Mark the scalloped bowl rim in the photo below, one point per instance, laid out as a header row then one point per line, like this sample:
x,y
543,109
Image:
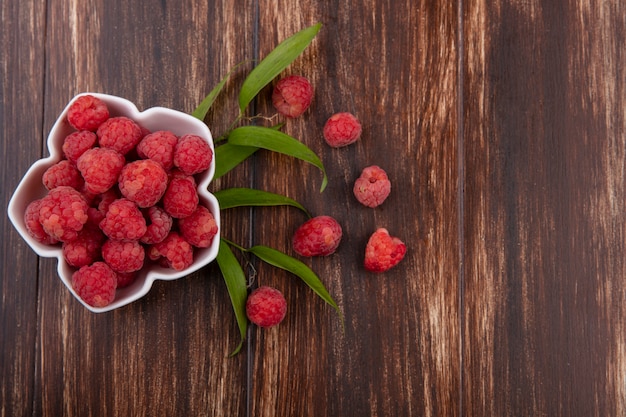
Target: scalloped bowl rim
x,y
31,187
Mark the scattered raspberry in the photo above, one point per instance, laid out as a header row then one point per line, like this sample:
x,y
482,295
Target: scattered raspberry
x,y
87,113
119,133
123,255
159,146
177,251
159,225
63,213
62,173
95,284
75,144
383,251
266,307
181,197
372,187
123,221
124,279
319,236
292,95
342,129
192,154
143,181
33,225
100,167
199,228
85,249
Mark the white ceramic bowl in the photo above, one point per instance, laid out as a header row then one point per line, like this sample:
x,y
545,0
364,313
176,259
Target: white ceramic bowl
x,y
31,188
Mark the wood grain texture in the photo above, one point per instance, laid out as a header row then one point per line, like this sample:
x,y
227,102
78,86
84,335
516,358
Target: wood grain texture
x,y
544,198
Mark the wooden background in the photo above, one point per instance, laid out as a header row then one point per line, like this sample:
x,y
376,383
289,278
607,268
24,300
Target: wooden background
x,y
502,125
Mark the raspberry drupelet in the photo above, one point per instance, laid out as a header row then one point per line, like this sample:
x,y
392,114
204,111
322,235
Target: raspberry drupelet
x,y
199,228
372,187
383,251
192,154
95,284
342,129
119,133
143,181
63,213
87,113
159,146
100,168
123,221
266,307
292,95
319,236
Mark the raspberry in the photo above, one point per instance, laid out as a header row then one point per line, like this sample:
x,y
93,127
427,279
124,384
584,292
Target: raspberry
x,y
199,228
292,95
319,236
192,154
100,167
342,129
123,255
175,250
85,249
383,251
266,307
119,133
63,213
87,113
159,146
159,225
62,173
95,284
123,221
181,197
75,144
372,187
143,181
124,279
33,225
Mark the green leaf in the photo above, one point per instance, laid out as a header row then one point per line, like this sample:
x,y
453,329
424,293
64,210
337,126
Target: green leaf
x,y
293,265
203,108
273,140
274,63
238,197
237,288
228,156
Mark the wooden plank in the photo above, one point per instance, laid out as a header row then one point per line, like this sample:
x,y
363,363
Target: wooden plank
x,y
165,354
21,89
544,198
393,64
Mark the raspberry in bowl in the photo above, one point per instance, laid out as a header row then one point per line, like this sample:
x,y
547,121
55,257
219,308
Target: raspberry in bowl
x,y
96,203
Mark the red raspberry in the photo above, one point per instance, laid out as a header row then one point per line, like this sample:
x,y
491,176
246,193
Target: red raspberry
x,y
159,146
119,133
123,221
383,251
292,95
87,113
200,228
100,167
124,279
192,154
372,187
123,255
266,307
159,225
63,213
75,144
143,181
342,129
85,249
175,250
33,225
95,284
319,236
62,173
181,197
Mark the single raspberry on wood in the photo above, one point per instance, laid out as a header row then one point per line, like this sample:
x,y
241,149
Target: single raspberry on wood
x,y
292,95
383,251
95,284
87,113
342,129
266,307
319,236
372,187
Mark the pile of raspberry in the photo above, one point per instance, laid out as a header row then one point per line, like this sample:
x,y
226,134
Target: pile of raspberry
x,y
122,199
